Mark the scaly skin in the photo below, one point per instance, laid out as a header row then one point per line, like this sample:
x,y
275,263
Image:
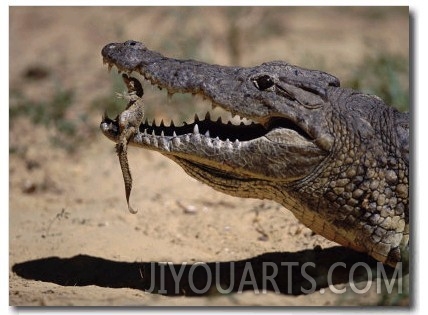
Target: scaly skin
x,y
337,158
129,121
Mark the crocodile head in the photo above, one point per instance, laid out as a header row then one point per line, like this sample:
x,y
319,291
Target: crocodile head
x,y
336,158
286,140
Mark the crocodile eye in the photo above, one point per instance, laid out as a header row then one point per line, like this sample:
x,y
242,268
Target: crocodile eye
x,y
263,83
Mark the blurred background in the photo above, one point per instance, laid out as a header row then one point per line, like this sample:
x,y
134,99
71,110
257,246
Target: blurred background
x,y
55,53
66,193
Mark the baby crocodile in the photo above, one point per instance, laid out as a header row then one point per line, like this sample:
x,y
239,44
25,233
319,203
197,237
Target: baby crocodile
x,y
128,122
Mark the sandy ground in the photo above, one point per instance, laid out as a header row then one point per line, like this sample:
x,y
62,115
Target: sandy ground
x,y
72,240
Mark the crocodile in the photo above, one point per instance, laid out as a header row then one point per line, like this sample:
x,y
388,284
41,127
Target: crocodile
x,y
337,158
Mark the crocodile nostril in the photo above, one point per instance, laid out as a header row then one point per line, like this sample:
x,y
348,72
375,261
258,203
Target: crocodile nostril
x,y
131,42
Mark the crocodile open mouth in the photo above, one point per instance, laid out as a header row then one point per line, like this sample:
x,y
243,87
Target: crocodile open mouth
x,y
223,129
218,129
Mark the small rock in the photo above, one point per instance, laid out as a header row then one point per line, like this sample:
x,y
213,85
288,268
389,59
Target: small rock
x,y
29,187
187,209
263,238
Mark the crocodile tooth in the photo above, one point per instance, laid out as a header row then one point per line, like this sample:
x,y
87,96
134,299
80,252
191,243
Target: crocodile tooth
x,y
196,129
162,133
153,133
207,141
237,143
176,141
248,121
174,134
187,138
196,118
164,144
207,134
161,124
219,120
146,122
145,132
208,116
153,123
154,142
196,138
172,124
216,142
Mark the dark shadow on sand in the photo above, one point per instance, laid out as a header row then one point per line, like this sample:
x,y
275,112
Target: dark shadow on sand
x,y
292,273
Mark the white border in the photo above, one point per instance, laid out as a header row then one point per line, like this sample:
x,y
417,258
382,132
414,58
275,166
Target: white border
x,y
4,164
215,3
420,107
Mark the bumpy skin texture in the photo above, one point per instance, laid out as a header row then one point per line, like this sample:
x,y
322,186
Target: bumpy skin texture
x,y
337,158
129,122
